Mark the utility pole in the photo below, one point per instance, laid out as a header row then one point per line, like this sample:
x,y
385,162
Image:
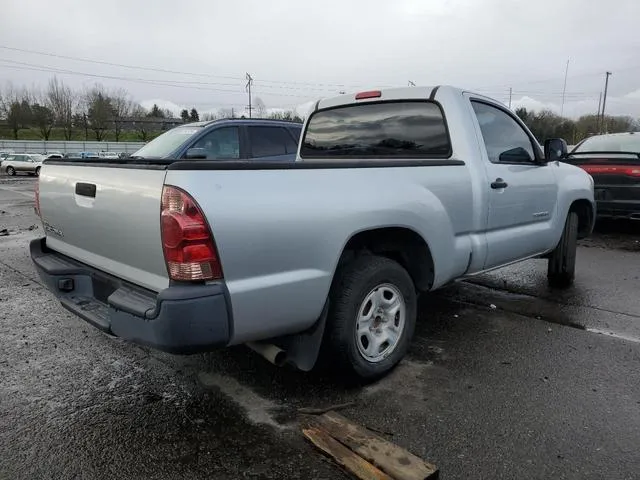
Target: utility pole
x,y
411,84
564,89
233,113
510,94
248,87
604,101
598,115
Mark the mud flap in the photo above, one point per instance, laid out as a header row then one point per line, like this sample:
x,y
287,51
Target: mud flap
x,y
303,348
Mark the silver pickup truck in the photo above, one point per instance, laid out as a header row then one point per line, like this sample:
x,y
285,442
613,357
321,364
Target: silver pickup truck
x,y
392,193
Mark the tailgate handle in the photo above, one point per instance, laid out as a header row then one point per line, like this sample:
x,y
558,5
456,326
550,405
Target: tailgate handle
x,y
86,189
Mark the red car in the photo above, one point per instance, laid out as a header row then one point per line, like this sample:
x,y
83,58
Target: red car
x,y
613,160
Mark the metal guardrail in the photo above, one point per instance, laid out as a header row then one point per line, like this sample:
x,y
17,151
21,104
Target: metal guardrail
x,y
41,146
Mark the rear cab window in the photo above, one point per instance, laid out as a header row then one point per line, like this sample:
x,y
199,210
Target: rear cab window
x,y
388,129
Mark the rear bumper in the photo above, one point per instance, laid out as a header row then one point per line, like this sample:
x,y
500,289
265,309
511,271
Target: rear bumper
x,y
179,319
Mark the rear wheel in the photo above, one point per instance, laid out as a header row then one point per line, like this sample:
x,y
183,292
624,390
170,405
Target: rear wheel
x,y
372,317
562,262
11,171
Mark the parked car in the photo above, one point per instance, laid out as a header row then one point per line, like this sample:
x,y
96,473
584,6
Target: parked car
x,y
54,155
393,193
5,154
613,161
22,163
229,139
108,155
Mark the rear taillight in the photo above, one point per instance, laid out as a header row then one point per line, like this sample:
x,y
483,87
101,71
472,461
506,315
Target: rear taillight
x,y
189,250
631,171
37,192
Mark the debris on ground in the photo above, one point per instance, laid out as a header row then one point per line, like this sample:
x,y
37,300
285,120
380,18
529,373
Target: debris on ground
x,y
363,453
320,411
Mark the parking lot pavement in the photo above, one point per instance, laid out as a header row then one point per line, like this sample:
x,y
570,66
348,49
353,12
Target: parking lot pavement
x,y
484,393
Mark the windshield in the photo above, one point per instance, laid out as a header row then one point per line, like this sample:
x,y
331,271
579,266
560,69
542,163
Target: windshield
x,y
167,143
610,143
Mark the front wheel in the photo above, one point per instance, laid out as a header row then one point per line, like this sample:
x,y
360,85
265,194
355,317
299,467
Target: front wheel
x,y
562,262
372,317
37,172
11,171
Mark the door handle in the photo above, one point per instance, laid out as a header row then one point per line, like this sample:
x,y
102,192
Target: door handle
x,y
86,189
499,183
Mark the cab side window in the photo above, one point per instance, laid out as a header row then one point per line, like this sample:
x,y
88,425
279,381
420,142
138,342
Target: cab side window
x,y
270,142
504,138
220,144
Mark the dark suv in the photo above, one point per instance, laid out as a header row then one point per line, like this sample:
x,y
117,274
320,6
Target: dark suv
x,y
229,139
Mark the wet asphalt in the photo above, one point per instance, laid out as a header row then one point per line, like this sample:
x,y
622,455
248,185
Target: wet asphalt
x,y
506,379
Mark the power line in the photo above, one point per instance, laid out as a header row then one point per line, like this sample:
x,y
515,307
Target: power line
x,y
159,82
161,70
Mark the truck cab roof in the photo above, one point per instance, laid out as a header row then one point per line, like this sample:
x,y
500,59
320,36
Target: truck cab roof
x,y
241,121
402,93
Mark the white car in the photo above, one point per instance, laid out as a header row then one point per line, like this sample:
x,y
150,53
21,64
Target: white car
x,y
109,155
22,163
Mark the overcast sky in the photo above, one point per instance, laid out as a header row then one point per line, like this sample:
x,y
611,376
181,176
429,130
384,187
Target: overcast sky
x,y
300,50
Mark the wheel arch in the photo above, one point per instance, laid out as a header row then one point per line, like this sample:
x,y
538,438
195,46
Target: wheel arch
x,y
586,216
401,244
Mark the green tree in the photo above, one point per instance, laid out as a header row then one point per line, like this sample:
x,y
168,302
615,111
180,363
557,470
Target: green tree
x,y
99,111
193,115
156,112
44,119
184,115
19,116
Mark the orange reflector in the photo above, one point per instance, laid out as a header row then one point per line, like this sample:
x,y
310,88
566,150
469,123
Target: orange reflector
x,y
369,94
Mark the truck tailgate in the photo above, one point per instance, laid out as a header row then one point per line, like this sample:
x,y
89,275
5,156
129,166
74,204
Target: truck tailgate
x,y
106,217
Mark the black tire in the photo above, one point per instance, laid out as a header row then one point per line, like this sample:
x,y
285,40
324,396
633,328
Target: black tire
x,y
562,262
353,283
11,171
37,172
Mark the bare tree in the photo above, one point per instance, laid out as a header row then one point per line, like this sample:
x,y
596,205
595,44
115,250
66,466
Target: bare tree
x,y
260,107
142,126
209,116
121,108
63,103
227,113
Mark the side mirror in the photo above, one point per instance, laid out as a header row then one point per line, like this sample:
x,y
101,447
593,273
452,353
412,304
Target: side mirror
x,y
515,155
555,149
196,153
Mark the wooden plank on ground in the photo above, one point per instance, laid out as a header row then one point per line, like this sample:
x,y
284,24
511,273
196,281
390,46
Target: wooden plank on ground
x,y
390,458
343,456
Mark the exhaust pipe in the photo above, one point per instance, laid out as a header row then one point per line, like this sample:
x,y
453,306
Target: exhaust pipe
x,y
274,354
